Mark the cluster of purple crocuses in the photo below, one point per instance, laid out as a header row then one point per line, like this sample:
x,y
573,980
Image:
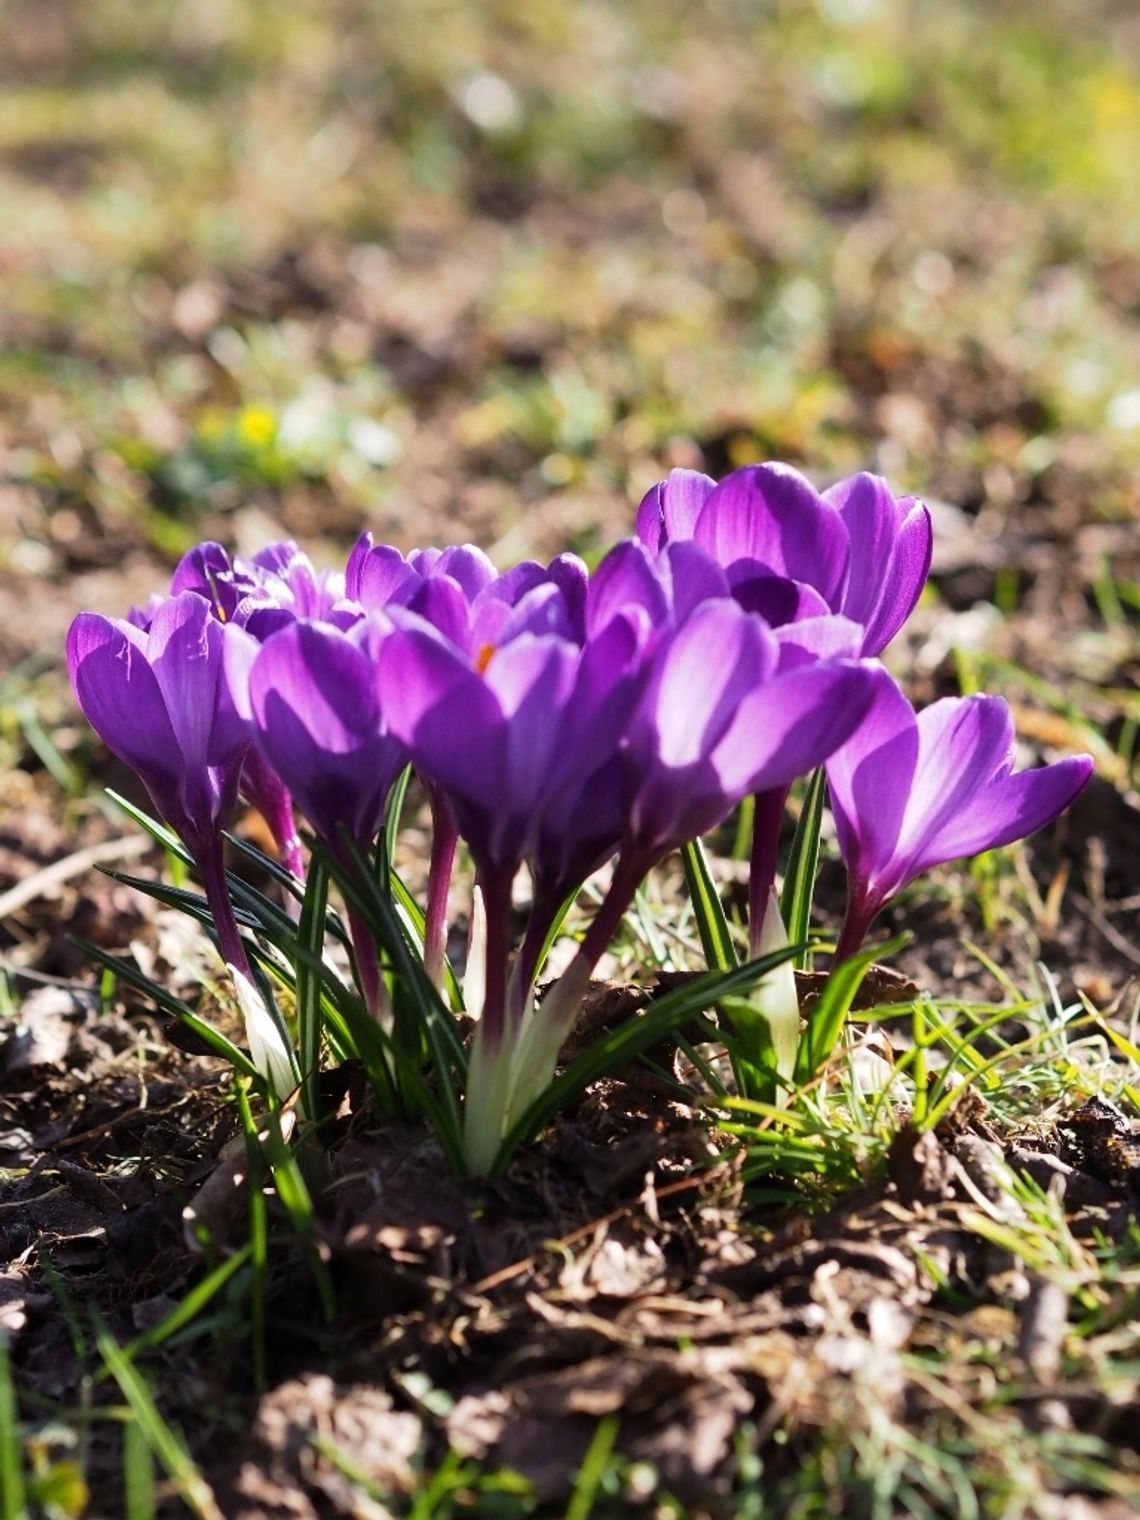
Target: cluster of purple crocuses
x,y
561,718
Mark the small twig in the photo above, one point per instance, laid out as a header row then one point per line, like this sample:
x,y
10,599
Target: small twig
x,y
119,1120
517,1268
1102,925
25,891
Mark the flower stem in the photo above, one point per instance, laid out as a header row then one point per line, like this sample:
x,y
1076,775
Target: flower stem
x,y
208,857
444,839
525,970
856,922
629,873
490,1058
264,789
766,821
368,974
497,904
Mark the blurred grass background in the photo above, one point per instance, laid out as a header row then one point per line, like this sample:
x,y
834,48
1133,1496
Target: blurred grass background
x,y
475,269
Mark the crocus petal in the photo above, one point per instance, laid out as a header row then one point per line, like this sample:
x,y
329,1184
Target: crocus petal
x,y
699,677
870,777
318,723
488,737
280,558
517,581
532,678
609,675
669,510
891,546
964,743
440,601
776,598
185,651
441,709
770,514
818,638
790,724
377,574
709,667
1011,807
239,650
579,831
569,573
206,569
625,578
466,565
691,575
541,611
122,700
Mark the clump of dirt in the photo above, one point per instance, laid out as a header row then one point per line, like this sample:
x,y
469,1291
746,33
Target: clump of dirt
x,y
505,1319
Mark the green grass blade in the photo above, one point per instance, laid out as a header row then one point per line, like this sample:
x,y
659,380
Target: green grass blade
x,y
258,1238
206,1032
189,1307
139,1499
554,931
623,1044
309,977
13,1495
803,864
826,1021
293,1191
593,1468
708,910
164,1442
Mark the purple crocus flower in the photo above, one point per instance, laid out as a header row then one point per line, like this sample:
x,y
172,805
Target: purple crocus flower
x,y
157,698
912,791
503,731
728,710
316,720
458,592
378,574
865,552
263,594
717,718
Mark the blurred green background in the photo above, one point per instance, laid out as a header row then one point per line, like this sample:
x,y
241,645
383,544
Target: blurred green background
x,y
460,269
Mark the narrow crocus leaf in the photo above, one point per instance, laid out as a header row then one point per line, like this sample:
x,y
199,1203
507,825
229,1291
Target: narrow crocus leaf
x,y
828,1019
267,1045
803,864
629,1040
311,934
708,910
774,998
